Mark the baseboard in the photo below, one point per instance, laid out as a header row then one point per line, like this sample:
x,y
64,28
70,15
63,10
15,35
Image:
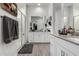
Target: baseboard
x,y
40,42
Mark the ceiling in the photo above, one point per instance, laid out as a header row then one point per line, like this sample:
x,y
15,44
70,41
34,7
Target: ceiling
x,y
68,4
21,4
36,4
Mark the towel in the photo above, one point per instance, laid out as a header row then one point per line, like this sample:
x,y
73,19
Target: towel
x,y
10,29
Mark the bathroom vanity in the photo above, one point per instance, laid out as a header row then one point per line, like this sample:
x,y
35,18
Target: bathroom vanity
x,y
64,45
39,37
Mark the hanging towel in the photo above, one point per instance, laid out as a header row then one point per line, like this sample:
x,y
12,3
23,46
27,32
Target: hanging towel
x,y
10,29
6,34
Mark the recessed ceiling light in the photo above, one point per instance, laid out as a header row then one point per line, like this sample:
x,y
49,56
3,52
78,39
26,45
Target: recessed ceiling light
x,y
38,4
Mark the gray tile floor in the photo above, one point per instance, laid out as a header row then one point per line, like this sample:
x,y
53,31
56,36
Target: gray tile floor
x,y
39,50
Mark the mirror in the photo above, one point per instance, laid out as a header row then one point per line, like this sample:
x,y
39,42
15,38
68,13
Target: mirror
x,y
63,18
36,23
76,18
40,24
76,23
68,15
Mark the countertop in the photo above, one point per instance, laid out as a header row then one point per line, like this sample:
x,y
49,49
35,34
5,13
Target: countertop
x,y
69,38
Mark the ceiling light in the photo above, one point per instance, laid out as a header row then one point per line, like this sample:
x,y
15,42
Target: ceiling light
x,y
38,4
65,17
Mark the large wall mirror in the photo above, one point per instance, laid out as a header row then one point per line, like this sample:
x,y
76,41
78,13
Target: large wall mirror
x,y
40,23
68,15
76,23
76,18
71,18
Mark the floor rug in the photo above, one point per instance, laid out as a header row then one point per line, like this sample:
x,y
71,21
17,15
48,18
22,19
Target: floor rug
x,y
26,49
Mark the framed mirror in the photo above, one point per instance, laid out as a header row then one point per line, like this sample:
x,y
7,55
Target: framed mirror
x,y
40,23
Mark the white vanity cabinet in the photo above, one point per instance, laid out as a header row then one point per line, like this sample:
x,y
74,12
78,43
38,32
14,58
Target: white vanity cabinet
x,y
39,37
53,51
63,51
61,47
30,37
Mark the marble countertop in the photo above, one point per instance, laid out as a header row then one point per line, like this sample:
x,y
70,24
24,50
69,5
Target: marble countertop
x,y
69,38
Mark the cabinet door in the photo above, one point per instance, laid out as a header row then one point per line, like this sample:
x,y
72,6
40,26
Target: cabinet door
x,y
47,37
63,51
36,37
58,48
53,46
53,50
66,53
30,37
41,37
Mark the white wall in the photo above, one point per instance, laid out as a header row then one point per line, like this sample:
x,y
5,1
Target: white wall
x,y
50,13
36,11
68,16
13,47
44,11
50,9
23,22
57,13
63,16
